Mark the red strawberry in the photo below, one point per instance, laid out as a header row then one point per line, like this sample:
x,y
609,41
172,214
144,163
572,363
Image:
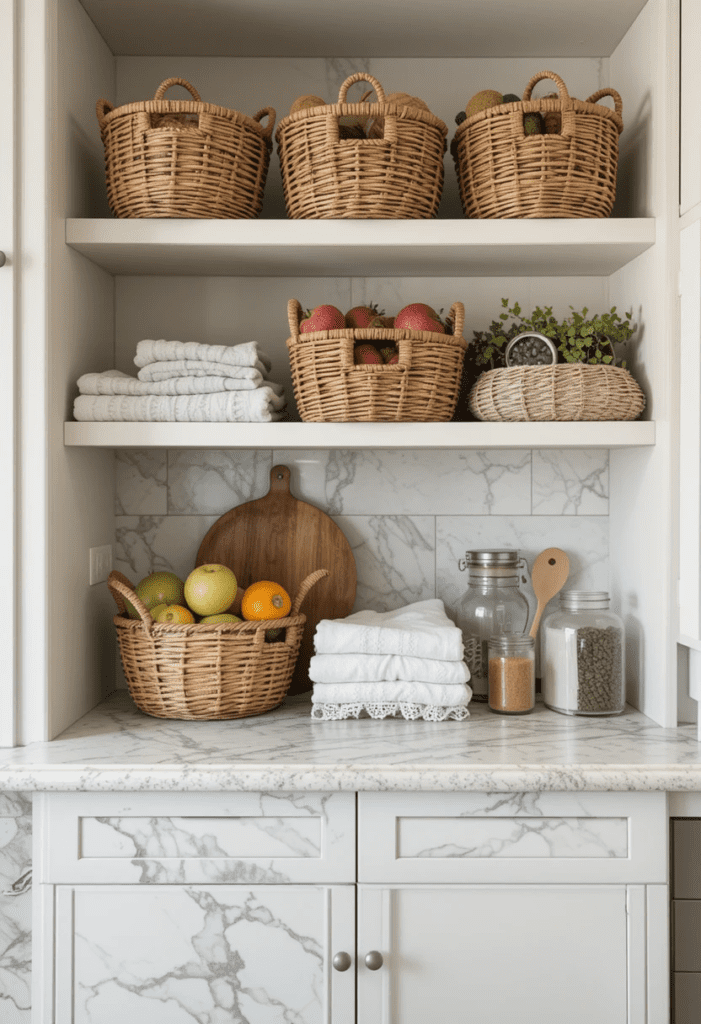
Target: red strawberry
x,y
418,317
388,352
366,355
393,359
361,316
322,318
382,321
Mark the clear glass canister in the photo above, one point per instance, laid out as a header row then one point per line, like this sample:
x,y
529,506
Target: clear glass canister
x,y
491,604
583,671
512,673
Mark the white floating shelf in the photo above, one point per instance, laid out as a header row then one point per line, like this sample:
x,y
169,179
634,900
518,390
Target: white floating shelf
x,y
377,248
361,435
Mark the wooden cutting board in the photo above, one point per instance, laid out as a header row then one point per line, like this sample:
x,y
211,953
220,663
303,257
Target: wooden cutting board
x,y
283,539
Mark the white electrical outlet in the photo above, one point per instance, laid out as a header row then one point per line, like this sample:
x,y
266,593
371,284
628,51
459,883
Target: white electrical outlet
x,y
100,563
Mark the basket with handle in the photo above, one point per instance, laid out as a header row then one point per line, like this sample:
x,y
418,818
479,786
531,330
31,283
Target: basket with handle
x,y
206,671
422,387
398,175
184,158
571,172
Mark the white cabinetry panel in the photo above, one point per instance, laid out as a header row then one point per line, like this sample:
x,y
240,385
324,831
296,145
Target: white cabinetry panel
x,y
690,135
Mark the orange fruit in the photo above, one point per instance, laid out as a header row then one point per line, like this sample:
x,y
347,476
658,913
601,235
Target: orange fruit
x,y
265,600
176,615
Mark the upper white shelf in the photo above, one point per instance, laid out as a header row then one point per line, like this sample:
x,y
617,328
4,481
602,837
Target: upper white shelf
x,y
370,248
361,435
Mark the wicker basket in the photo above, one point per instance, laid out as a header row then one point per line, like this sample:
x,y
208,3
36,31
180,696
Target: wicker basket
x,y
184,158
399,176
568,391
206,671
504,173
422,387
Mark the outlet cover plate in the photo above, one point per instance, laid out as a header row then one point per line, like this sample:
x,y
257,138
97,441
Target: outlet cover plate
x,y
100,563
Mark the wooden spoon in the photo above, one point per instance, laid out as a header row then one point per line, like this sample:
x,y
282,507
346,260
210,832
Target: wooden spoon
x,y
550,571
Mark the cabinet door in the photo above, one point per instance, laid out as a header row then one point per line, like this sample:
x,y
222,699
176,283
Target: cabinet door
x,y
496,955
690,135
184,954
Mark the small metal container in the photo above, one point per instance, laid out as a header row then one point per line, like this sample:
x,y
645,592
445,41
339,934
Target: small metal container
x,y
530,349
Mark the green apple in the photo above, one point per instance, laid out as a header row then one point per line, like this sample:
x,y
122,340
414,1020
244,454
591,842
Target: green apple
x,y
156,611
210,589
222,617
158,588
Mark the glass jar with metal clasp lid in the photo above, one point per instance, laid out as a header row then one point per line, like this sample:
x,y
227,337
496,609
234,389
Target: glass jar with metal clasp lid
x,y
493,603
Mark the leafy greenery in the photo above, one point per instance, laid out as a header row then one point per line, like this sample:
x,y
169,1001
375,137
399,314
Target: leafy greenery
x,y
579,339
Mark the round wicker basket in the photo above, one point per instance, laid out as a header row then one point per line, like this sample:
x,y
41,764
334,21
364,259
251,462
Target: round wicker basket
x,y
206,671
568,391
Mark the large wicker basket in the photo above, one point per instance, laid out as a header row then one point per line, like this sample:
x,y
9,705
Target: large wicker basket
x,y
206,671
422,387
568,391
184,158
503,172
398,176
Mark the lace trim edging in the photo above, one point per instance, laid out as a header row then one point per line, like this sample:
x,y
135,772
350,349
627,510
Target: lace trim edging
x,y
385,709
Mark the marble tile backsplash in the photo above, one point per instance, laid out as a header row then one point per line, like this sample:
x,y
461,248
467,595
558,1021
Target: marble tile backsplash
x,y
409,516
15,910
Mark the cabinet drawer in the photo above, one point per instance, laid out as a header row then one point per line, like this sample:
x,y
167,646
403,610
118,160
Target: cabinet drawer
x,y
512,837
166,838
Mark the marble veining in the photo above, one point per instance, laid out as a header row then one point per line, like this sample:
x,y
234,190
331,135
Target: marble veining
x,y
569,483
15,911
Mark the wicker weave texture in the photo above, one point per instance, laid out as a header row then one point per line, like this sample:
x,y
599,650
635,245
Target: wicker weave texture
x,y
399,176
571,391
206,671
184,158
504,173
422,387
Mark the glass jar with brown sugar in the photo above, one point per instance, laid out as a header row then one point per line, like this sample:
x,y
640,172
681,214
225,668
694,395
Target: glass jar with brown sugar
x,y
512,673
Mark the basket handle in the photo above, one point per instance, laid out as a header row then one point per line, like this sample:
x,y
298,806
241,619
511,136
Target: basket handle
x,y
294,313
565,97
103,108
457,315
165,85
305,586
361,76
120,587
268,112
617,101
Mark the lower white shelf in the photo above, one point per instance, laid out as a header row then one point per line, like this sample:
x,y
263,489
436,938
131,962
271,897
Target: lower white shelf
x,y
604,434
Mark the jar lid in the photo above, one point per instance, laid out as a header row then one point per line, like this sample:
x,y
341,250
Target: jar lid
x,y
492,557
574,600
511,643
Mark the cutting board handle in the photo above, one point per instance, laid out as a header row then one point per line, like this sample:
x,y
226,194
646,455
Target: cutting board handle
x,y
305,586
280,480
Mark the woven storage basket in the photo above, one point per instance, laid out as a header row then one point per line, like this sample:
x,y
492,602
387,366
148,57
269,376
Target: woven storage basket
x,y
184,158
568,391
398,176
206,671
504,173
422,387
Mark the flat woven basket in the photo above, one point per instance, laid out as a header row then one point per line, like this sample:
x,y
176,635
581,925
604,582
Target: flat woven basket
x,y
184,158
422,387
568,391
397,176
206,671
502,172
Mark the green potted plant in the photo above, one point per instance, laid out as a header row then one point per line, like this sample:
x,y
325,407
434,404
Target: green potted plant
x,y
588,380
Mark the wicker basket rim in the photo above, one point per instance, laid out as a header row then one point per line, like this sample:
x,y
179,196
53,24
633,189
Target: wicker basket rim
x,y
554,104
559,368
187,107
248,626
379,334
404,113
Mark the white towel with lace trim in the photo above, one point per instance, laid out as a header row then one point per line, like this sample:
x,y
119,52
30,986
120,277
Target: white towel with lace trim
x,y
245,354
375,668
403,690
114,382
419,630
386,709
261,405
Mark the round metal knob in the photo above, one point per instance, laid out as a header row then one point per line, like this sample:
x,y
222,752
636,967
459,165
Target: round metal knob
x,y
341,962
373,961
2,258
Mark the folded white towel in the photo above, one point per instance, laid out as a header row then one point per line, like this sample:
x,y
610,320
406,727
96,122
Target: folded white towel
x,y
404,690
259,406
420,630
114,382
375,668
201,368
246,354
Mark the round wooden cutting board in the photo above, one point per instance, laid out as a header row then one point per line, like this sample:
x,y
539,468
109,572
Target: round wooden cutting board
x,y
283,539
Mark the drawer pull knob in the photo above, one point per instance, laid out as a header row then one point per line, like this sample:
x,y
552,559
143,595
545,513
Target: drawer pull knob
x,y
373,961
341,962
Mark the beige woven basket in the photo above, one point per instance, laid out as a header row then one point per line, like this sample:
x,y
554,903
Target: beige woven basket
x,y
398,176
206,671
504,173
568,391
184,158
422,387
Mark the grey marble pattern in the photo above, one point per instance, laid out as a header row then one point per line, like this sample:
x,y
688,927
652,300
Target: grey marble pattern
x,y
570,483
212,482
140,485
146,544
15,911
117,748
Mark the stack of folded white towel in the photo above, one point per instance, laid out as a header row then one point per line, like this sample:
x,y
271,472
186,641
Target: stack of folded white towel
x,y
187,382
407,662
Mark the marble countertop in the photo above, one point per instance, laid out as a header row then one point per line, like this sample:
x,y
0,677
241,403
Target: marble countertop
x,y
115,747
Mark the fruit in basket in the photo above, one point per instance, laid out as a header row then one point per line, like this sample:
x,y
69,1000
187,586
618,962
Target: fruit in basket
x,y
533,124
157,588
213,620
176,615
361,316
388,351
417,316
460,117
403,99
155,612
210,589
306,102
392,359
265,600
366,355
322,318
483,100
382,321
